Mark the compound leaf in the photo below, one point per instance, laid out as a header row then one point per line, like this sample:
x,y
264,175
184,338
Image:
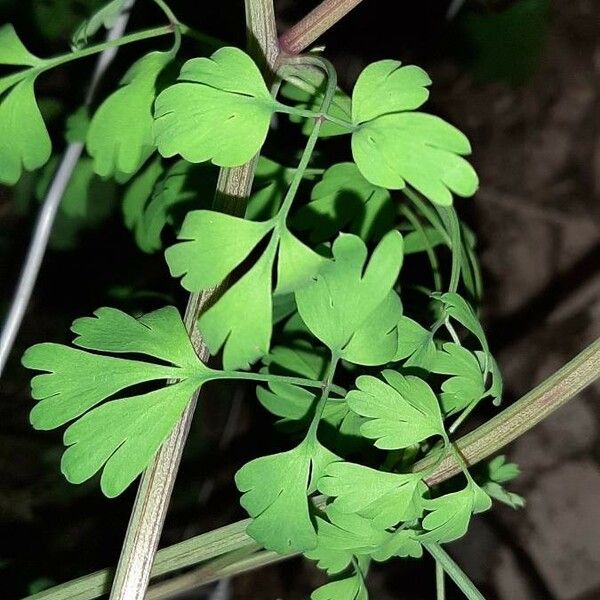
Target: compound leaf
x,y
212,245
393,146
450,514
24,143
415,148
275,492
120,136
347,295
220,110
387,87
402,411
341,537
465,385
12,49
385,498
123,434
345,198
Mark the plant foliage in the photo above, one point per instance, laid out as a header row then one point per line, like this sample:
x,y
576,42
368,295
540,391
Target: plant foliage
x,y
313,299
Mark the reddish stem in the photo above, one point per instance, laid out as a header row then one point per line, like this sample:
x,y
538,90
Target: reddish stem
x,y
301,35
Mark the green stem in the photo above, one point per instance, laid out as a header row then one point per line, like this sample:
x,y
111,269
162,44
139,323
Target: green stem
x,y
417,226
327,385
454,227
314,135
311,114
268,377
451,331
174,21
517,419
442,558
426,210
137,36
440,583
207,40
461,418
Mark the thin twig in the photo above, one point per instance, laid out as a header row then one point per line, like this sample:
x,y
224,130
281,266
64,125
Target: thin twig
x,y
49,209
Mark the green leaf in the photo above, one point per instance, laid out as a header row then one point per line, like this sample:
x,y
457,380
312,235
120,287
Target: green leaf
x,y
275,492
182,187
241,321
341,537
300,360
403,543
344,300
415,148
78,125
120,136
220,110
123,434
465,386
393,146
501,471
296,263
213,245
401,412
458,308
286,400
87,201
499,493
24,143
349,588
385,498
135,200
104,17
387,87
344,198
496,386
415,343
12,50
450,514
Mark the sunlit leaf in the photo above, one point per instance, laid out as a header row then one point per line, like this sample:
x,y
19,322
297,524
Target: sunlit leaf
x,y
122,435
450,515
24,142
212,245
347,296
275,487
385,498
401,411
394,146
120,137
220,110
12,49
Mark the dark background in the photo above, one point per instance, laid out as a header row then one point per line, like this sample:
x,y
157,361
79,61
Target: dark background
x,y
522,79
